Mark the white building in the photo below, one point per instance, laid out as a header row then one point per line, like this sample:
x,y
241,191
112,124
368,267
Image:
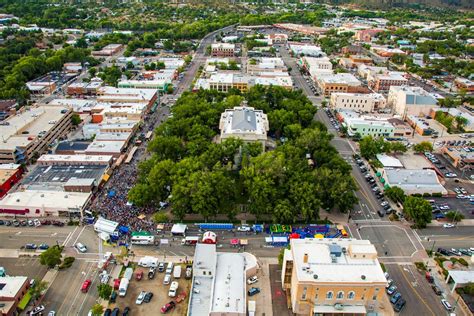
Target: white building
x,y
369,102
316,65
414,181
33,203
245,123
302,49
366,125
219,282
406,100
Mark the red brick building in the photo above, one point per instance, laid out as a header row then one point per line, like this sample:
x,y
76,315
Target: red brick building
x,y
12,290
10,174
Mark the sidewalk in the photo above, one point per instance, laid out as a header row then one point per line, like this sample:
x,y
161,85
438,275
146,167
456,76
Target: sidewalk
x,y
264,299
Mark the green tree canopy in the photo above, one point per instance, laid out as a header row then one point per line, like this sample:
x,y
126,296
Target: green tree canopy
x,y
418,210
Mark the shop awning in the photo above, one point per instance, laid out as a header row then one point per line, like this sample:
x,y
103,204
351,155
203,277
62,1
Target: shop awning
x,y
24,301
234,242
244,242
339,309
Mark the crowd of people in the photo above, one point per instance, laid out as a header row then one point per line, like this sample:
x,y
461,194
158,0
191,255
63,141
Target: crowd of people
x,y
112,202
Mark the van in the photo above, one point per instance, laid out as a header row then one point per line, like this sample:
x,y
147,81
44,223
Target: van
x,y
167,279
169,267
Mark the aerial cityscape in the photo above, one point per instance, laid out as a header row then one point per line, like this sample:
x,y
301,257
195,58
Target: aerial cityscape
x,y
194,158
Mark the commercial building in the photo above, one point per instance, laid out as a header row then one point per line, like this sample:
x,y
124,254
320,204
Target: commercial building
x,y
369,102
219,282
316,66
282,80
365,125
414,181
455,112
303,49
460,157
223,50
7,108
266,65
383,81
10,174
43,203
463,83
225,81
74,160
354,61
406,100
127,95
304,29
367,72
172,62
158,84
366,35
108,50
341,82
113,148
73,68
71,147
12,291
332,277
30,131
244,123
419,125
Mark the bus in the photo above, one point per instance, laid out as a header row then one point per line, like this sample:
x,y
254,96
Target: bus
x,y
142,238
148,135
131,154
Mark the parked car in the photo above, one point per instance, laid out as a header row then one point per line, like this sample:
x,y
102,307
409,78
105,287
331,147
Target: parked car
x,y
107,312
148,297
167,307
389,283
394,299
38,309
81,247
244,228
449,225
443,251
115,312
253,291
436,289
455,252
140,298
151,273
399,305
113,297
30,223
381,213
8,223
391,290
31,246
252,280
43,246
167,279
126,311
446,305
161,267
465,252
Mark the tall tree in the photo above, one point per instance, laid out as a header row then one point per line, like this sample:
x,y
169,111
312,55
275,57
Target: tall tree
x,y
418,210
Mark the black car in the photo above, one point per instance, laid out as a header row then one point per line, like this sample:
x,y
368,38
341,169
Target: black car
x,y
443,251
113,297
356,156
126,311
399,305
381,213
107,312
436,289
148,297
2,222
115,312
386,207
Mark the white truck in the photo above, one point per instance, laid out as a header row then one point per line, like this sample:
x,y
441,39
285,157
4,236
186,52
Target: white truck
x,y
128,274
173,289
190,241
252,306
177,272
148,262
123,286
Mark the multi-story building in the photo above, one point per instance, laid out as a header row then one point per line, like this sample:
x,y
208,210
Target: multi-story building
x,y
369,102
223,50
244,123
316,65
367,72
365,125
225,81
10,174
74,160
127,95
341,82
304,49
266,65
12,291
332,277
157,84
463,83
460,157
407,100
108,50
30,131
383,81
366,35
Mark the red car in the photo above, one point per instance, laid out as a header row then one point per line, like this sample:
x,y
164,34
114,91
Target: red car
x,y
139,275
86,285
116,284
166,308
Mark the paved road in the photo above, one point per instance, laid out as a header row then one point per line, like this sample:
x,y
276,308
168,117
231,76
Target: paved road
x,y
414,288
458,237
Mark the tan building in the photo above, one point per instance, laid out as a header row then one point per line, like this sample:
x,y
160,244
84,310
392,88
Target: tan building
x,y
225,81
29,132
406,100
383,81
223,50
341,82
12,291
357,101
332,277
460,157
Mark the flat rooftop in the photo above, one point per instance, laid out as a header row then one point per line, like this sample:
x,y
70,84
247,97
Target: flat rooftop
x,y
44,199
414,179
47,177
340,78
28,124
336,260
11,285
105,147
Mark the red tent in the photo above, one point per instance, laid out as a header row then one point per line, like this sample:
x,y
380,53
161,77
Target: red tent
x,y
295,236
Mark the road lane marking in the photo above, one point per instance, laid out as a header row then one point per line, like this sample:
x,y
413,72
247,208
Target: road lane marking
x,y
416,292
79,235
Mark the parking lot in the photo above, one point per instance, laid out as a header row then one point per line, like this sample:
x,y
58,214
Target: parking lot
x,y
160,295
25,266
458,237
441,206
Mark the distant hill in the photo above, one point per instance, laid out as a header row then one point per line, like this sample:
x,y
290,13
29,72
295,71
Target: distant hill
x,y
467,4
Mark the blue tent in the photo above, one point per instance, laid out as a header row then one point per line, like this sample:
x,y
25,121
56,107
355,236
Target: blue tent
x,y
123,229
111,193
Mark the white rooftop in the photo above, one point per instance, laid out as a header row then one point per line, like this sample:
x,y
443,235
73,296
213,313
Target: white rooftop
x,y
414,180
11,285
345,78
336,261
389,161
74,158
105,147
37,199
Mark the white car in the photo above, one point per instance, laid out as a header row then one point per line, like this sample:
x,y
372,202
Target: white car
x,y
446,305
37,310
140,298
244,228
81,247
52,313
444,207
449,225
37,222
252,280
